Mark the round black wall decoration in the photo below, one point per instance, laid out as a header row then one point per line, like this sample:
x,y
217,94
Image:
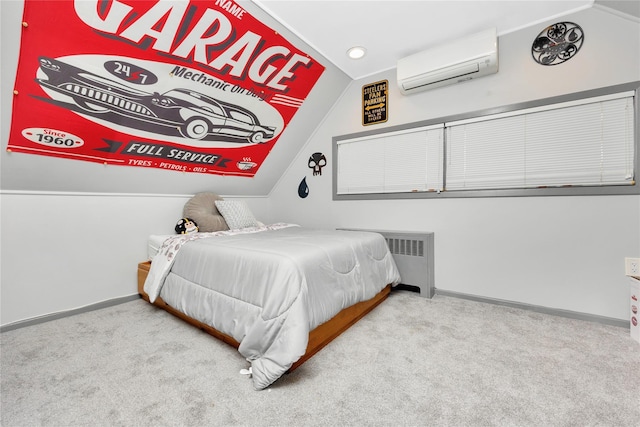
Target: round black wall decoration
x,y
557,43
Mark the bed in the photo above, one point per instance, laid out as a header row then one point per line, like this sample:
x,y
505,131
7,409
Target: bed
x,y
278,292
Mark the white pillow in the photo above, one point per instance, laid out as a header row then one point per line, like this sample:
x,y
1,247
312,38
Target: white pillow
x,y
236,214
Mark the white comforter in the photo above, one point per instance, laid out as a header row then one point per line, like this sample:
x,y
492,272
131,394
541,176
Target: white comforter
x,y
268,287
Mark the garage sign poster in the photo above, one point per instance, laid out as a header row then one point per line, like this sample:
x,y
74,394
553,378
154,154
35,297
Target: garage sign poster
x,y
194,86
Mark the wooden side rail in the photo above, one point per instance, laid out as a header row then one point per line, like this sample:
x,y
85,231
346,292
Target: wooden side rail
x,y
318,338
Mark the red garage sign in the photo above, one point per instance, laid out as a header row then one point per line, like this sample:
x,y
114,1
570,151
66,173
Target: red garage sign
x,y
195,86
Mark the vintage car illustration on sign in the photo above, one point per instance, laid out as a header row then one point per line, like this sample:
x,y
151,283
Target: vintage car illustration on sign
x,y
176,112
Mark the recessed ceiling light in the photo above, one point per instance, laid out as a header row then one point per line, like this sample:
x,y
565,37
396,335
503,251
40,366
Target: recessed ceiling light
x,y
356,52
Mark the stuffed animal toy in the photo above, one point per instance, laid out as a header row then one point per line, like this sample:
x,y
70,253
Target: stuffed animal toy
x,y
186,226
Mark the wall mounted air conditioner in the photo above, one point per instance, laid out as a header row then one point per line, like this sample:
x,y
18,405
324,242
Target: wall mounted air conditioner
x,y
454,62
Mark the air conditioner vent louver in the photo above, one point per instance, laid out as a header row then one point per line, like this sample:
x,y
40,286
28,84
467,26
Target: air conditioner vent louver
x,y
461,60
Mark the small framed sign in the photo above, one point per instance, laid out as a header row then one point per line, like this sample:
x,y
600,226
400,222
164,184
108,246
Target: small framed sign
x,y
375,102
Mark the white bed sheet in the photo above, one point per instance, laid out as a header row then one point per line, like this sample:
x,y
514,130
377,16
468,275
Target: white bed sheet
x,y
154,243
268,287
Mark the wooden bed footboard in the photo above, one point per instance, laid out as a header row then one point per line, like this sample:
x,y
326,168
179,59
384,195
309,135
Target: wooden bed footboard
x,y
318,338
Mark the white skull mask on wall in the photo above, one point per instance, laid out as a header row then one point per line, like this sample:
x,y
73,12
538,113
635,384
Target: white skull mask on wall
x,y
316,162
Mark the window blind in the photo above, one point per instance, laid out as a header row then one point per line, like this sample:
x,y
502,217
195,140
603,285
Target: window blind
x,y
590,143
403,161
586,142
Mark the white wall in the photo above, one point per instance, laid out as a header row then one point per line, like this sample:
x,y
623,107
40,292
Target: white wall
x,y
73,232
61,251
65,251
558,252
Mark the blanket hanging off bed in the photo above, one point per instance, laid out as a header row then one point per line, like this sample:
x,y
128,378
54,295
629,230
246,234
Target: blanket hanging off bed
x,y
267,287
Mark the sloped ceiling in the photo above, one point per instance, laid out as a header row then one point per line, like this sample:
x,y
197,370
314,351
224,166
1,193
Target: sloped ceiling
x,y
390,30
20,172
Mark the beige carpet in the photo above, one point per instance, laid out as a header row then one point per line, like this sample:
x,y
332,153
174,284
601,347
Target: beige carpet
x,y
412,361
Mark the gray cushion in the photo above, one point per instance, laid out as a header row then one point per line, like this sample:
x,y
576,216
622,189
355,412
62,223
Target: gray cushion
x,y
237,214
202,209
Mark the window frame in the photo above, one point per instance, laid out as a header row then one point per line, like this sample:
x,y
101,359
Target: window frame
x,y
633,189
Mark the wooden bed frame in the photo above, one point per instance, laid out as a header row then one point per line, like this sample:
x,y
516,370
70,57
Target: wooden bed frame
x,y
318,338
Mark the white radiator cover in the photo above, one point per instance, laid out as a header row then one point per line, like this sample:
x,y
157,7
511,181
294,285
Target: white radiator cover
x,y
413,255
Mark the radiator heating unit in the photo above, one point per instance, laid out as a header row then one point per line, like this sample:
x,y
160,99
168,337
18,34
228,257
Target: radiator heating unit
x,y
413,254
